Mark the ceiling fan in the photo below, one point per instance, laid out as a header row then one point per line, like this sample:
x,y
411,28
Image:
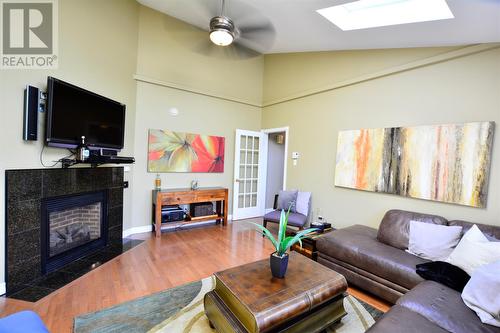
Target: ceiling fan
x,y
239,28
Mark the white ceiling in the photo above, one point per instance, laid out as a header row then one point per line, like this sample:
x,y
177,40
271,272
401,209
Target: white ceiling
x,y
299,28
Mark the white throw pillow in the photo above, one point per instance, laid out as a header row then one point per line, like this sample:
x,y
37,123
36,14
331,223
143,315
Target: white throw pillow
x,y
432,241
475,235
474,250
482,293
303,200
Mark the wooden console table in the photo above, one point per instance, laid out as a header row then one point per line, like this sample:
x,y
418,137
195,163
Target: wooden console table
x,y
184,196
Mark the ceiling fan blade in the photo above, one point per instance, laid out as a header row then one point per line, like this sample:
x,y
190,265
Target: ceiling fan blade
x,y
205,9
207,48
238,50
239,10
193,38
260,37
256,29
234,51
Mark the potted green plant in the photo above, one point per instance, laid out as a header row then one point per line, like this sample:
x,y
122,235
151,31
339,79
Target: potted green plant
x,y
279,258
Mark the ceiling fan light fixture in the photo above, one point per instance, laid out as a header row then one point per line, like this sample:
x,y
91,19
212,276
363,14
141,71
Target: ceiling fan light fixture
x,y
221,37
221,31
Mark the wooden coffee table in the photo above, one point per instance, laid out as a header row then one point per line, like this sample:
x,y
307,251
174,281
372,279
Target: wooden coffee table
x,y
248,299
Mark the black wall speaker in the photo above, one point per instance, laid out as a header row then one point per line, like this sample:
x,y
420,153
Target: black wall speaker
x,y
31,103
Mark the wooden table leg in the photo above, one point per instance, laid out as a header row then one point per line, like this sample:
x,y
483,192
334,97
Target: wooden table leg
x,y
158,216
218,210
225,209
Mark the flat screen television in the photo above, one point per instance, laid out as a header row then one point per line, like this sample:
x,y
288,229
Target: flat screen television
x,y
73,112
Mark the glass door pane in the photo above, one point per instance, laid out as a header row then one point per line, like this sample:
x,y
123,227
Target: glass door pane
x,y
249,167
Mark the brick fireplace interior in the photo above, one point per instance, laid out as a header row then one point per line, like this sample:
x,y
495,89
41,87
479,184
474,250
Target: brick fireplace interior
x,y
72,227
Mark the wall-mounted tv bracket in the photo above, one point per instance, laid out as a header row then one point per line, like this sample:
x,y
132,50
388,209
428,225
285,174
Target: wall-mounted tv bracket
x,y
42,101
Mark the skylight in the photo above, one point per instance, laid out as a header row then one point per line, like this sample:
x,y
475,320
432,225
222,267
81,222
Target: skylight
x,y
364,14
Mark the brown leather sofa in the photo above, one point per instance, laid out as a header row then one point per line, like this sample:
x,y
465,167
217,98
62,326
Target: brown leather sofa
x,y
431,307
376,261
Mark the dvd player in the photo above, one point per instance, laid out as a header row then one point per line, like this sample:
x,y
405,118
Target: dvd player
x,y
106,159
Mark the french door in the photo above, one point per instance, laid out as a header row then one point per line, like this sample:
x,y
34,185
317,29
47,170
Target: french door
x,y
249,175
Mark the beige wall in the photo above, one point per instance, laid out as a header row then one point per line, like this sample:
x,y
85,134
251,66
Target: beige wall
x,y
171,63
288,74
102,62
459,90
197,114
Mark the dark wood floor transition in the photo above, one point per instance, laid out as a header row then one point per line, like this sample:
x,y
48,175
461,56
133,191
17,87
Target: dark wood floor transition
x,y
157,264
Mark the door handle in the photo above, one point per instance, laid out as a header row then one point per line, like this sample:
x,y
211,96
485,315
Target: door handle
x,y
238,180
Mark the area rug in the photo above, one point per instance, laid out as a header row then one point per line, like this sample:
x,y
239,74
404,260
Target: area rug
x,y
180,310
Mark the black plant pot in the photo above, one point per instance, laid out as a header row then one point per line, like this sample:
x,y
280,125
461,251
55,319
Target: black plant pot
x,y
279,265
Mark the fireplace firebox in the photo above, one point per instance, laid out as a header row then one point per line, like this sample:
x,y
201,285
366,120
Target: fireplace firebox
x,y
72,227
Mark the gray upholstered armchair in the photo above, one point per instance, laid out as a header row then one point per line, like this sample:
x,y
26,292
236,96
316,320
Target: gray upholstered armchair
x,y
299,213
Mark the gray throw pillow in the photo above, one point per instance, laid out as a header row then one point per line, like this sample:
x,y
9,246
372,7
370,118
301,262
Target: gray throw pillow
x,y
287,199
303,202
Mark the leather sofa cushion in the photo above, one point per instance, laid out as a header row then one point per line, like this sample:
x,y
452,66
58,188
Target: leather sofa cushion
x,y
400,319
490,231
394,229
358,246
444,307
364,280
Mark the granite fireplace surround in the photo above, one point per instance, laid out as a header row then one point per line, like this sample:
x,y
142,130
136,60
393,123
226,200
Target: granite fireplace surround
x,y
25,191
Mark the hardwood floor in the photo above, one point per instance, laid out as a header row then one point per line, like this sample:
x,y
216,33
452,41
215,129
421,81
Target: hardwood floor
x,y
157,264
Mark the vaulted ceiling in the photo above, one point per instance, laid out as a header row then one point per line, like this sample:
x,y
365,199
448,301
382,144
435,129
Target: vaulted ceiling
x,y
298,27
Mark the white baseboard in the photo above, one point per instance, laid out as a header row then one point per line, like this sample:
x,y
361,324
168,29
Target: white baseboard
x,y
268,210
148,228
137,230
3,287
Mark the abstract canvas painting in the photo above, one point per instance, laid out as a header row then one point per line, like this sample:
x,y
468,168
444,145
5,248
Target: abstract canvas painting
x,y
448,163
184,152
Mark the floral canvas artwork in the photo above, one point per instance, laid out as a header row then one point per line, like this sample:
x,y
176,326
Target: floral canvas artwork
x,y
448,163
171,151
